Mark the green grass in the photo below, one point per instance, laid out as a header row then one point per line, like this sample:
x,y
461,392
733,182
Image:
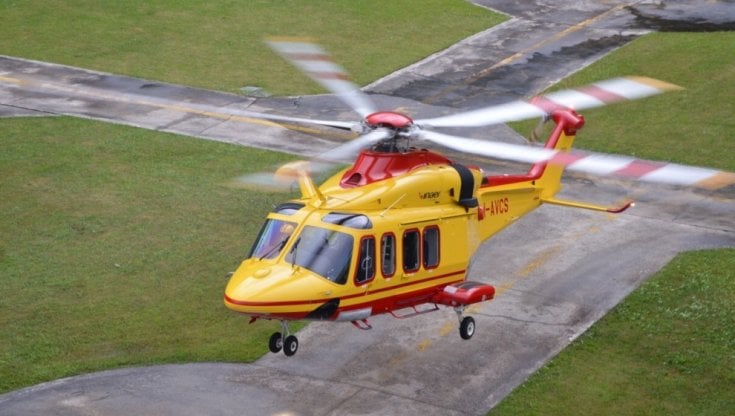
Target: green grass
x,y
116,244
669,348
218,44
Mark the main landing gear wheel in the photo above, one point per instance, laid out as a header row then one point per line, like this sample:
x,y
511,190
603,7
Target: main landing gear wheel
x,y
275,344
467,327
290,345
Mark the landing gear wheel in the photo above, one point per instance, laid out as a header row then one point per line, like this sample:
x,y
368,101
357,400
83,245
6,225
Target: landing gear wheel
x,y
290,345
467,327
275,344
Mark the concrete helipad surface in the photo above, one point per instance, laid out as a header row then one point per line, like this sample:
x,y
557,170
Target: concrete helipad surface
x,y
557,270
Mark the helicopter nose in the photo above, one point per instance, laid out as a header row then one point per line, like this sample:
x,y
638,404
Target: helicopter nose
x,y
249,288
279,292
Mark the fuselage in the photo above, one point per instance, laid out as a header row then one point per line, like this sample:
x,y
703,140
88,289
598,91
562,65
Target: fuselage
x,y
382,235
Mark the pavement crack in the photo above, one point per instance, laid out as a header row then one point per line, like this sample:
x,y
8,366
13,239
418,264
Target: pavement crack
x,y
359,388
678,221
527,321
29,109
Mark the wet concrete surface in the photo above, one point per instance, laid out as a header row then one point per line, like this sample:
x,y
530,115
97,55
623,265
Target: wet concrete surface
x,y
685,16
543,42
557,270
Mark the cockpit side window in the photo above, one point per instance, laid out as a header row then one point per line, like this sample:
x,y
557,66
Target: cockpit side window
x,y
272,238
325,252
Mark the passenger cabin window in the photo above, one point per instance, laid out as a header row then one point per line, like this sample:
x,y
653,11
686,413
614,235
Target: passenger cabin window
x,y
388,254
431,247
366,261
411,250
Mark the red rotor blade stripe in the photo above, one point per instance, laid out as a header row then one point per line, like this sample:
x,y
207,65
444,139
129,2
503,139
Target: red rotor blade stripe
x,y
330,75
315,62
591,96
638,168
601,94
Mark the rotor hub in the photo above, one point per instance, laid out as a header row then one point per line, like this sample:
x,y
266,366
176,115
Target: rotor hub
x,y
389,119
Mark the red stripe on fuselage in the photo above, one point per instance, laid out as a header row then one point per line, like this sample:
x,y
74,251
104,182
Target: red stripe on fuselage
x,y
320,301
378,306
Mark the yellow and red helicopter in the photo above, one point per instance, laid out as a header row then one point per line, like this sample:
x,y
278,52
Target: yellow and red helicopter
x,y
395,231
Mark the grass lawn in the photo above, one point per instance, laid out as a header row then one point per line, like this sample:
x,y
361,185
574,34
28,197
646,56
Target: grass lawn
x,y
669,348
218,44
116,244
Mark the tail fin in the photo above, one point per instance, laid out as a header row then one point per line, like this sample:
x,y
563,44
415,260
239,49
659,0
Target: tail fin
x,y
562,138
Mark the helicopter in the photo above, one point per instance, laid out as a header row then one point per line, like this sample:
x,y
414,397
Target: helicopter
x,y
394,232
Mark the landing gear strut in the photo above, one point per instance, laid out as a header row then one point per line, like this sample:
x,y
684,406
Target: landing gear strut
x,y
466,323
283,341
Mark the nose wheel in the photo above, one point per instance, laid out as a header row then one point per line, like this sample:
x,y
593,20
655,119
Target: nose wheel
x,y
283,341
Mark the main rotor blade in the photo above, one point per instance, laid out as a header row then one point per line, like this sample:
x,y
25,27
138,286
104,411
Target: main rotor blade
x,y
344,125
315,62
347,151
598,164
590,96
317,165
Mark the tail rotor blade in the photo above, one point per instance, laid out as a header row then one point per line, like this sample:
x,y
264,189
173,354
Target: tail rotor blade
x,y
538,130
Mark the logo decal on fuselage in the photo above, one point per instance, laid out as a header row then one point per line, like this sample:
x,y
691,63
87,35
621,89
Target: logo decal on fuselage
x,y
429,195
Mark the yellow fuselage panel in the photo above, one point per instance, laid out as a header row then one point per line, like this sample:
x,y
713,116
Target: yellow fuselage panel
x,y
424,187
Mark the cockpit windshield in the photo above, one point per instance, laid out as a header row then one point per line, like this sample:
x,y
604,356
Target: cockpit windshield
x,y
327,253
272,238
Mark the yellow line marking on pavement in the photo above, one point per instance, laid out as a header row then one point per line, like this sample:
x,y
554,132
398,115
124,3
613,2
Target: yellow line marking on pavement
x,y
423,345
11,80
516,56
446,329
179,108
